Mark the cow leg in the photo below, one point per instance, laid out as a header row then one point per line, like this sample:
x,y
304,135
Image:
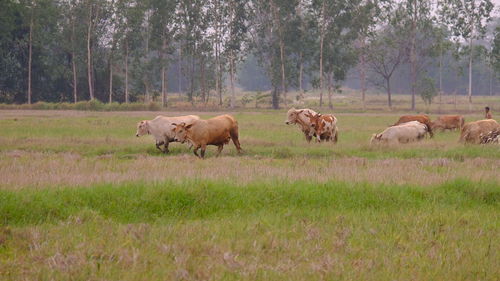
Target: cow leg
x,y
308,138
219,149
159,144
195,151
166,147
203,148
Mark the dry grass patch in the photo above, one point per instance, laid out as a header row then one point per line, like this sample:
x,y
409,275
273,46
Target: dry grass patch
x,y
37,170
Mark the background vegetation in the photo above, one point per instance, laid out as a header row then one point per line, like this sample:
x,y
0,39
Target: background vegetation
x,y
142,51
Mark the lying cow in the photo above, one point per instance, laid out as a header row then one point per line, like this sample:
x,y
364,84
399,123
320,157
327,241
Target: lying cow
x,y
324,126
473,131
403,133
162,129
215,131
448,122
422,118
298,116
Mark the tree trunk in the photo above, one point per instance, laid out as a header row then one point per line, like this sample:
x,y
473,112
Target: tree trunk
x,y
217,69
330,103
73,61
321,40
110,79
30,56
163,74
413,56
89,55
202,79
126,71
73,65
275,98
179,70
164,96
231,74
301,70
389,100
470,74
440,76
145,78
491,81
283,77
362,72
321,43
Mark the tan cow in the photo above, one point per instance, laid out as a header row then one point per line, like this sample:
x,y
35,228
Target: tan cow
x,y
473,131
403,133
448,122
324,126
215,131
162,129
422,118
298,116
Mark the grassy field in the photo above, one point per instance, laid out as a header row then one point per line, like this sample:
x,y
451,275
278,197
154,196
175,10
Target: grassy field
x,y
81,198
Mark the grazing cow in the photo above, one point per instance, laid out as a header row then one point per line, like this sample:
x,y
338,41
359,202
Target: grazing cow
x,y
162,129
422,118
298,116
324,126
448,122
403,133
215,131
473,131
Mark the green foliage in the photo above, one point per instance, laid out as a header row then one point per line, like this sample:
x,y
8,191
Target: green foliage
x,y
426,89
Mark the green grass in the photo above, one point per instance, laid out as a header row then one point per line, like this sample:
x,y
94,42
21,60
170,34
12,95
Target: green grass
x,y
216,231
262,134
132,203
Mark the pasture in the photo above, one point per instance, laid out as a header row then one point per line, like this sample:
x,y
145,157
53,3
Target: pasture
x,y
81,198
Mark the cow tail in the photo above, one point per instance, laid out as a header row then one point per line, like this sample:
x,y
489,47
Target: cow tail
x,y
235,137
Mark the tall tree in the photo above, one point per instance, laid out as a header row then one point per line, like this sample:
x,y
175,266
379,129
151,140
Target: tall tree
x,y
386,52
163,20
467,19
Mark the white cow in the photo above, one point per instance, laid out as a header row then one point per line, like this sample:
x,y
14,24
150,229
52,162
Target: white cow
x,y
403,133
298,116
162,129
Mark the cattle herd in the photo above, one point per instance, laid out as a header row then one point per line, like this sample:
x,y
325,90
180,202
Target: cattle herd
x,y
218,131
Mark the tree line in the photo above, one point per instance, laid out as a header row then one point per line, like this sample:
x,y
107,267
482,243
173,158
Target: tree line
x,y
141,50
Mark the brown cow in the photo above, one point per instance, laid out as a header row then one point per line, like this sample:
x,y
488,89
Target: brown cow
x,y
473,131
215,131
448,122
422,118
324,126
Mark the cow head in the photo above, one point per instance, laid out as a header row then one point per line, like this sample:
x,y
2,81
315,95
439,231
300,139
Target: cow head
x,y
181,131
318,124
375,138
293,116
142,128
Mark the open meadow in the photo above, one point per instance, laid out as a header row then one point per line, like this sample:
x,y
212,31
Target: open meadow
x,y
82,198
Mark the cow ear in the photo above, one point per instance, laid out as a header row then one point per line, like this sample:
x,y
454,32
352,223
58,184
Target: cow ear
x,y
174,124
300,111
189,126
319,115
